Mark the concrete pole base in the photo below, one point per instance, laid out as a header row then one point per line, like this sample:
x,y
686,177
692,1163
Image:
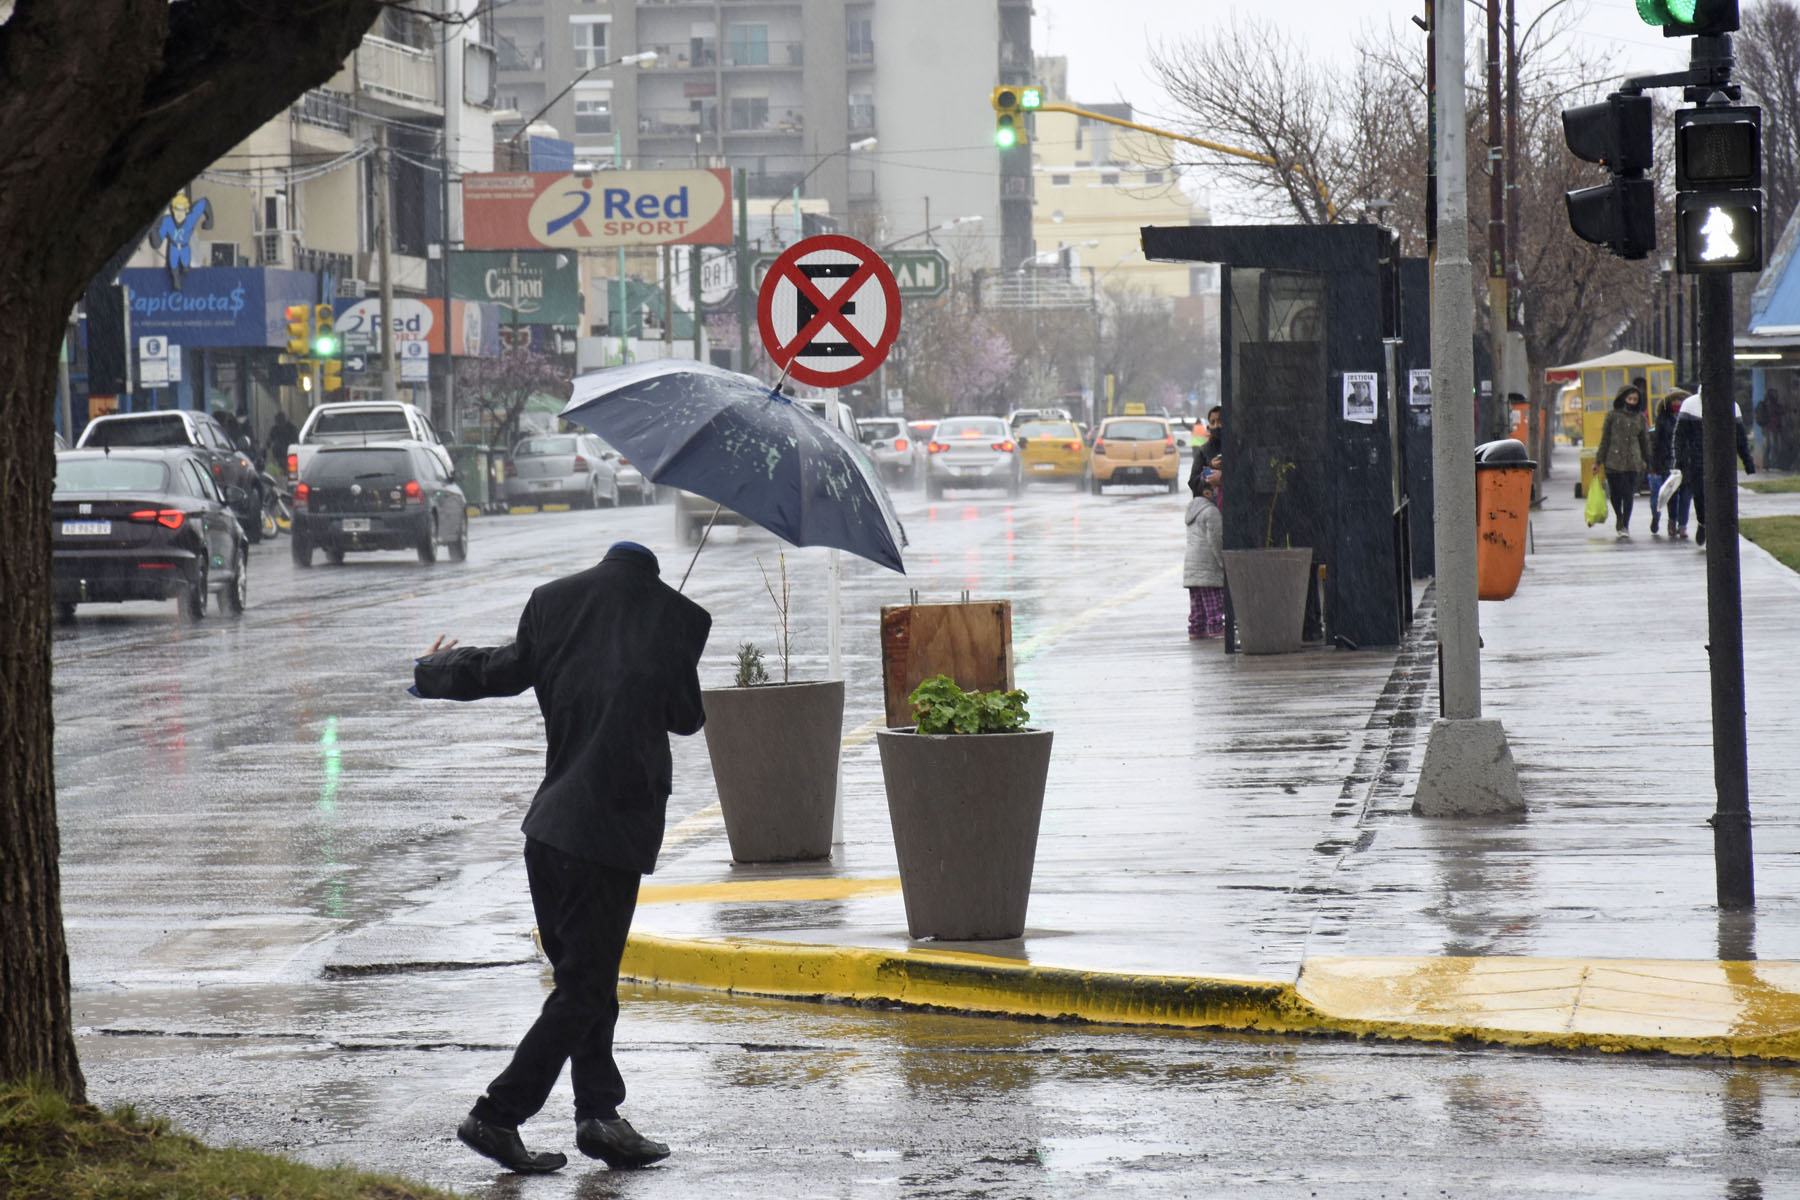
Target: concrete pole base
x,y
1468,771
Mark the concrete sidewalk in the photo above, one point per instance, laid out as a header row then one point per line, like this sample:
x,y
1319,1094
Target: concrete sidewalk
x,y
1227,841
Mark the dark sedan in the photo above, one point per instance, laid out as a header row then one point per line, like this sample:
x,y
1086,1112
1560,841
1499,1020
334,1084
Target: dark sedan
x,y
144,525
383,496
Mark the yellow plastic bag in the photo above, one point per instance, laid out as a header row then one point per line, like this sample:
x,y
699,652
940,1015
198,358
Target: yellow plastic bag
x,y
1596,499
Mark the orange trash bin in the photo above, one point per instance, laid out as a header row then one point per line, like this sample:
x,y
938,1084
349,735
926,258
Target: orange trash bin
x,y
1503,511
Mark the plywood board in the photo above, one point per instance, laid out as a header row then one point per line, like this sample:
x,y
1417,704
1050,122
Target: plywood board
x,y
971,643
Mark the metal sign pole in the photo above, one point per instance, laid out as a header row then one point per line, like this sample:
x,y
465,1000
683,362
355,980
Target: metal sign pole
x,y
835,633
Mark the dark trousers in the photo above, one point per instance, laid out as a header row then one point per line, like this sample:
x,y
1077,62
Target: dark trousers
x,y
1621,489
583,913
1692,476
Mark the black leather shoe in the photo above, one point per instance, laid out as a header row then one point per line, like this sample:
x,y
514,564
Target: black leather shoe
x,y
617,1144
504,1147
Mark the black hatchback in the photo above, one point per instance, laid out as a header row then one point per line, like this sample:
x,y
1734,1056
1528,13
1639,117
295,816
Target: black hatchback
x,y
144,525
383,496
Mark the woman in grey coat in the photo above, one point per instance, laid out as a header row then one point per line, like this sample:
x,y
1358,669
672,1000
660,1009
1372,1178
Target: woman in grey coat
x,y
1624,453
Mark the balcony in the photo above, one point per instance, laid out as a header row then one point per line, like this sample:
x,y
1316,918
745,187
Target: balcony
x,y
518,56
700,54
389,71
677,122
324,108
776,56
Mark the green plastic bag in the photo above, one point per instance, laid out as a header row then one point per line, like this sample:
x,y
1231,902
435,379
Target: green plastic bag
x,y
1596,499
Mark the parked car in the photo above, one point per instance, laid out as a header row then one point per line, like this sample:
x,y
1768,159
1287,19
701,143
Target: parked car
x,y
1134,450
563,468
359,423
383,496
972,452
144,524
632,483
892,447
228,466
1052,450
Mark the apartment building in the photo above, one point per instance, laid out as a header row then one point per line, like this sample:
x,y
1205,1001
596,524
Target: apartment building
x,y
878,107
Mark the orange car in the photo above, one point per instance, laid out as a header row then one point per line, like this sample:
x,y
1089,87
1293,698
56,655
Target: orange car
x,y
1134,450
1052,450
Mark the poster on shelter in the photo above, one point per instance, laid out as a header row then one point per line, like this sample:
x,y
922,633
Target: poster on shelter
x,y
1359,397
1418,389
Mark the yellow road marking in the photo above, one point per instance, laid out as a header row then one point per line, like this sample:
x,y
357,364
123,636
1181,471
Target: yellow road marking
x,y
764,890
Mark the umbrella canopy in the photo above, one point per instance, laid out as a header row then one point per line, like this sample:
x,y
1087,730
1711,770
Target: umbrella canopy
x,y
732,439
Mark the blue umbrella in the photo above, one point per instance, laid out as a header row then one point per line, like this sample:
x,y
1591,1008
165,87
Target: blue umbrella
x,y
736,441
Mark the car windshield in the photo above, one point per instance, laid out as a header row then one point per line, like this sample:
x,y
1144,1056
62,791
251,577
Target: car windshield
x,y
1135,431
876,431
338,467
111,475
360,421
1038,429
163,430
549,445
971,427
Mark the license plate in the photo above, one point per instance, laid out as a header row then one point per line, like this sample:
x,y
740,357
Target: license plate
x,y
355,525
1043,466
543,483
86,528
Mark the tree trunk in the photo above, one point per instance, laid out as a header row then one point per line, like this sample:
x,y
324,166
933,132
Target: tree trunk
x,y
107,108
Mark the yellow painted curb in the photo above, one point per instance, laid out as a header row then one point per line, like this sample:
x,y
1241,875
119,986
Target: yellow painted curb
x,y
764,891
1737,1010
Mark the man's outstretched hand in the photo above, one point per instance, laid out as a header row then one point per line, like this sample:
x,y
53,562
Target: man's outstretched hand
x,y
440,644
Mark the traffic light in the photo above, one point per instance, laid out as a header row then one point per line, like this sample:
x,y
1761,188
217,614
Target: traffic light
x,y
1009,117
1621,213
1718,184
324,339
299,330
331,375
1690,18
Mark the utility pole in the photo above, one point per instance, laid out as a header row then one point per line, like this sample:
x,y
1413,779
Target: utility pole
x,y
743,270
384,235
1492,419
447,418
1468,768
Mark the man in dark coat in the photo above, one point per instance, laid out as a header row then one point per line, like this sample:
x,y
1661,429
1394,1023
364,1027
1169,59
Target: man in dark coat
x,y
612,653
1690,456
1211,455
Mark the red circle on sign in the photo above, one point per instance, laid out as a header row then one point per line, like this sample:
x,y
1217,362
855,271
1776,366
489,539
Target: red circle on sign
x,y
867,270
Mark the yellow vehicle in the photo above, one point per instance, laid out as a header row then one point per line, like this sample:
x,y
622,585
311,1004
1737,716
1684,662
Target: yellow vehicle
x,y
1134,450
1052,450
1599,380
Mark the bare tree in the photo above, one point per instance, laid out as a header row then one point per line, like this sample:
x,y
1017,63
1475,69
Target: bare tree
x,y
107,108
501,387
1768,65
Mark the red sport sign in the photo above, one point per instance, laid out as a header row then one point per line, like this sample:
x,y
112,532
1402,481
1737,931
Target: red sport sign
x,y
828,310
602,210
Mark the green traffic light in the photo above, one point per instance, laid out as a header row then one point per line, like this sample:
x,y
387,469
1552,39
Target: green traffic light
x,y
1005,138
325,346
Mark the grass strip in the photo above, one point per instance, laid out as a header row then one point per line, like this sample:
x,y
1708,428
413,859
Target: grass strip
x,y
1780,536
53,1150
1771,487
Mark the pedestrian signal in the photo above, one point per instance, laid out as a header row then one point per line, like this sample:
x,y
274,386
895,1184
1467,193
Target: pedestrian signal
x,y
1718,185
1690,18
324,338
299,331
1718,232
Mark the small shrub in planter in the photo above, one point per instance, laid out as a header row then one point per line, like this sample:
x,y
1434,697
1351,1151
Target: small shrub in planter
x,y
965,792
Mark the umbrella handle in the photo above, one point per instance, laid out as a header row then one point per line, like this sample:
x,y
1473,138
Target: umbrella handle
x,y
700,547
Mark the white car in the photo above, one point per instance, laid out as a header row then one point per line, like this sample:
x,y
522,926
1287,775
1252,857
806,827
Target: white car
x,y
890,443
360,422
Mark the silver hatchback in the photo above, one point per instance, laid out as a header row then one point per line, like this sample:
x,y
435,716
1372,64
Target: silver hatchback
x,y
566,468
972,452
890,443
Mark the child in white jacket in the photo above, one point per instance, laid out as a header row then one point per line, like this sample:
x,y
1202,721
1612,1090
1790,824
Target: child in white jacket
x,y
1203,569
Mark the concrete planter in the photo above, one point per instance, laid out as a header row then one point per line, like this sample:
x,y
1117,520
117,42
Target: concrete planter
x,y
965,810
1268,598
774,751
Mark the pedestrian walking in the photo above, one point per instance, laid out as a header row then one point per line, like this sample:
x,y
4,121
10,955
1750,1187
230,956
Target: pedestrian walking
x,y
1690,456
281,436
1203,567
612,653
1662,463
1623,453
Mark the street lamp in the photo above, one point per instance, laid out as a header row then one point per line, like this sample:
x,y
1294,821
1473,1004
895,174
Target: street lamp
x,y
867,143
642,56
933,229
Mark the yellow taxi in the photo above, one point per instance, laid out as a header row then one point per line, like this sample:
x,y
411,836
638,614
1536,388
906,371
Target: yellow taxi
x,y
1134,450
1052,450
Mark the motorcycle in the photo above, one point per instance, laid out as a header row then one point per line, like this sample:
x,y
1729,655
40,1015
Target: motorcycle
x,y
277,505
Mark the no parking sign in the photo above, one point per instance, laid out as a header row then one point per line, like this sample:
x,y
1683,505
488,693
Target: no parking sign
x,y
829,310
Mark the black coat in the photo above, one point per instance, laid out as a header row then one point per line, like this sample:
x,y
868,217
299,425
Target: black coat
x,y
1690,448
613,653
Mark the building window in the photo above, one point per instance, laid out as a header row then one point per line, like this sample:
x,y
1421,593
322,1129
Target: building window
x,y
748,45
749,112
862,112
1109,179
1059,181
593,113
587,36
860,39
1153,176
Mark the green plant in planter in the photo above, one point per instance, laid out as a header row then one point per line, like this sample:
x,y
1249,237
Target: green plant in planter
x,y
942,707
750,670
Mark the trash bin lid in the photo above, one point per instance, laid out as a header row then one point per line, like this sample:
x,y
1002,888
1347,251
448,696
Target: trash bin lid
x,y
1507,452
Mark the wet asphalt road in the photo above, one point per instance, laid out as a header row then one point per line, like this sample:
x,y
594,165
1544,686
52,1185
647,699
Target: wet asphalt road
x,y
250,804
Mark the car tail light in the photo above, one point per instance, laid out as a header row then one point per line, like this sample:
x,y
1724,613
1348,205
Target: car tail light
x,y
414,495
1005,447
218,468
302,494
1099,445
623,461
581,465
936,448
1169,442
293,464
899,443
1075,446
168,517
